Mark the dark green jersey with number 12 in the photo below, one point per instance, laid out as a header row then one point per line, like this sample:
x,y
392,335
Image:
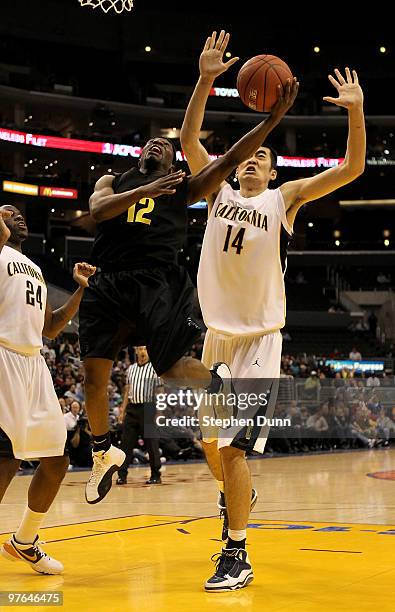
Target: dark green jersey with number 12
x,y
150,233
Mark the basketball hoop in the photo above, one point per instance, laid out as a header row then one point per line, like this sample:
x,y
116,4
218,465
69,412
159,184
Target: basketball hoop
x,y
107,5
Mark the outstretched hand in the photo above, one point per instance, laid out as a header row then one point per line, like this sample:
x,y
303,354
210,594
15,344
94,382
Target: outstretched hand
x,y
4,231
211,62
349,90
165,185
285,98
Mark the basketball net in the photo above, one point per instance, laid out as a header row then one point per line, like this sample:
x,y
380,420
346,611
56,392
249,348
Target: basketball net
x,y
107,5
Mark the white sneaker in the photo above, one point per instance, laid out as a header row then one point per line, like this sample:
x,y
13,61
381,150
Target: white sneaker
x,y
32,554
105,464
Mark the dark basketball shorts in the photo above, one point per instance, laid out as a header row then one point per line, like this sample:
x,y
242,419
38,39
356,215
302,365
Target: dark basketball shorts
x,y
148,307
5,446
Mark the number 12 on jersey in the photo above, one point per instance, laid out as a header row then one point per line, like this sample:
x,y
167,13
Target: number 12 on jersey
x,y
140,216
237,242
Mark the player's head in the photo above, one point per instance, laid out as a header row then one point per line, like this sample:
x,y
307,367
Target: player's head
x,y
259,169
158,154
141,354
16,224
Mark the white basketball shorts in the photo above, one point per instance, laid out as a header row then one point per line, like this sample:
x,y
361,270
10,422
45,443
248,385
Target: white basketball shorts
x,y
253,358
30,413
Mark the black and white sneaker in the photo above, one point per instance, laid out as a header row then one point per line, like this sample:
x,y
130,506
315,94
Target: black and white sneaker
x,y
225,410
224,515
105,464
233,571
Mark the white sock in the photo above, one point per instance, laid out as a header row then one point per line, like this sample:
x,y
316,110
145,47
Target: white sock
x,y
29,526
237,534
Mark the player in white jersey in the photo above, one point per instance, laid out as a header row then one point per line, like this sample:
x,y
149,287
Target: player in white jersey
x,y
241,284
31,421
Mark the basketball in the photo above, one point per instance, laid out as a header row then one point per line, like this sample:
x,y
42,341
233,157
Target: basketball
x,y
258,80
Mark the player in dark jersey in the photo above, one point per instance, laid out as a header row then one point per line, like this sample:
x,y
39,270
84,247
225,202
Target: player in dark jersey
x,y
139,295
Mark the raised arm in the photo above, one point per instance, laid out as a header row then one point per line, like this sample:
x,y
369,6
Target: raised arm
x,y
211,65
56,320
104,204
209,179
4,231
299,192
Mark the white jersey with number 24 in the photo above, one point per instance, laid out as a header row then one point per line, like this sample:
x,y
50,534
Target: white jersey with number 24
x,y
23,298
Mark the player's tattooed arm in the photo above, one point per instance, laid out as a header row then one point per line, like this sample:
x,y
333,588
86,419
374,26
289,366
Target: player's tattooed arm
x,y
210,178
56,320
104,204
4,231
299,192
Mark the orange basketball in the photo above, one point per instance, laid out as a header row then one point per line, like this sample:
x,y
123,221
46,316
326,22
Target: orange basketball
x,y
258,80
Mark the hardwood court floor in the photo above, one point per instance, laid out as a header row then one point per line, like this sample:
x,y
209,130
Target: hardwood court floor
x,y
321,538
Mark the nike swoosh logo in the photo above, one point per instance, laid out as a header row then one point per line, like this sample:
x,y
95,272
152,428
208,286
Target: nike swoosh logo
x,y
31,558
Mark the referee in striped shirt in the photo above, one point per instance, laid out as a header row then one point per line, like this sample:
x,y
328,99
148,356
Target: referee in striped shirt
x,y
138,408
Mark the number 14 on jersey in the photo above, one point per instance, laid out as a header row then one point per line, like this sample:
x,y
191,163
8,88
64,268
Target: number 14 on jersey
x,y
237,240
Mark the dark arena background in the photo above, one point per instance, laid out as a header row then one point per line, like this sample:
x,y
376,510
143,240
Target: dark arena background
x,y
81,92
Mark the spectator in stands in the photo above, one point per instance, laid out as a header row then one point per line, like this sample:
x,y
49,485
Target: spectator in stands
x,y
179,442
373,380
363,427
80,444
66,348
355,355
374,404
71,392
294,367
71,418
312,386
62,404
385,427
317,422
48,353
278,438
342,429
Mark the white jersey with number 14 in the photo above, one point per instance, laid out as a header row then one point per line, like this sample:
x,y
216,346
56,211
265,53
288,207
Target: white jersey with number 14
x,y
242,263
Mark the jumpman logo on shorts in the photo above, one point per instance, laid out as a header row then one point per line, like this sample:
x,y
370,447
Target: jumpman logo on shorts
x,y
256,363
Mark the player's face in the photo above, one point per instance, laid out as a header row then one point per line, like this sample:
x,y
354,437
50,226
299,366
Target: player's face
x,y
157,152
16,224
258,168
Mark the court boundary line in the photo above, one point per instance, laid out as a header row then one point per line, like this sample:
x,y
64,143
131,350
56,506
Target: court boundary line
x,y
198,518
110,518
